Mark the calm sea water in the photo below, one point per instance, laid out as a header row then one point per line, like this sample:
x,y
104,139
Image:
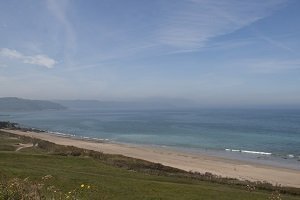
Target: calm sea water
x,y
271,136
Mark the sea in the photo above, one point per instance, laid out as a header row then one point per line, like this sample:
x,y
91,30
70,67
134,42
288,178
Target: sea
x,y
268,136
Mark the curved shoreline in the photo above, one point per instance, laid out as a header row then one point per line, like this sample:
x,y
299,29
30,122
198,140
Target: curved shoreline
x,y
182,160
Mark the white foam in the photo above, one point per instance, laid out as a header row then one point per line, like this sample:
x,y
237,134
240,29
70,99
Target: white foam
x,y
61,134
99,139
256,152
251,152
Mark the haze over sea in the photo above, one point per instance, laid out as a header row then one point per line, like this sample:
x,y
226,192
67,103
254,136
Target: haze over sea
x,y
263,136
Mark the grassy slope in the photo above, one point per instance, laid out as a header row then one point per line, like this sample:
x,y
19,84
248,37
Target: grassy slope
x,y
112,182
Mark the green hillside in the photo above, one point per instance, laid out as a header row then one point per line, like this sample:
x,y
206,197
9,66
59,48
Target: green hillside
x,y
100,176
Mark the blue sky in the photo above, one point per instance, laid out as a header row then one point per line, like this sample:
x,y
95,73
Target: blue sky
x,y
212,52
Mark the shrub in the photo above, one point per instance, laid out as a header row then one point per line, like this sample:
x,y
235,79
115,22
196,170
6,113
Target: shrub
x,y
24,189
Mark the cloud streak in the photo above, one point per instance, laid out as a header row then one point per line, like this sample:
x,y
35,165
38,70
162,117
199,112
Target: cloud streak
x,y
272,66
273,42
195,22
264,65
40,59
58,9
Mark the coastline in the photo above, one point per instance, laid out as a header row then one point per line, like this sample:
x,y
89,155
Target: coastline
x,y
182,160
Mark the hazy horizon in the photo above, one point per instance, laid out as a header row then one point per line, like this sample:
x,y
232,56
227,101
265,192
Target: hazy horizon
x,y
156,103
199,52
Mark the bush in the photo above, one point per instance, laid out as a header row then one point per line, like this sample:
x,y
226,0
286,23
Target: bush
x,y
24,189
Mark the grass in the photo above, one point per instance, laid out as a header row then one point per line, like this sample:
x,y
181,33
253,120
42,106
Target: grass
x,y
8,143
113,176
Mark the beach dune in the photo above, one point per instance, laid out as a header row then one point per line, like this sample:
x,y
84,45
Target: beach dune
x,y
187,161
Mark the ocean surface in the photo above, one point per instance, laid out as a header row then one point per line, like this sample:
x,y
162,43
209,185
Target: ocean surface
x,y
263,136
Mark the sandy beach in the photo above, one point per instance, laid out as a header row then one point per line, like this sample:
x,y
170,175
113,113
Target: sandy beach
x,y
182,160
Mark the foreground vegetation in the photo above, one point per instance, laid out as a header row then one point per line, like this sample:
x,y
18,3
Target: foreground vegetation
x,y
50,171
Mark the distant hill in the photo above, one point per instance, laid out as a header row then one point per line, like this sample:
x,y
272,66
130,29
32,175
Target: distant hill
x,y
114,105
18,104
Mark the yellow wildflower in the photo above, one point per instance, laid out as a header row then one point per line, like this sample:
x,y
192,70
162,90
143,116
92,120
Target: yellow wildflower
x,y
82,185
88,187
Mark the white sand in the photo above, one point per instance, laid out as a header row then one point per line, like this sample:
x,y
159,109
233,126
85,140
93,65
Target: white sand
x,y
186,161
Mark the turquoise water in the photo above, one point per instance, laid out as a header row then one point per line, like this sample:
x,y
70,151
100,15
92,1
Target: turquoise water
x,y
271,136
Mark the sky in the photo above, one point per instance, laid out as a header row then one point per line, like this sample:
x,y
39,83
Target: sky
x,y
211,52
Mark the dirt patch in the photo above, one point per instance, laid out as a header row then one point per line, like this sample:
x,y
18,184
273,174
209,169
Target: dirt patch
x,y
22,146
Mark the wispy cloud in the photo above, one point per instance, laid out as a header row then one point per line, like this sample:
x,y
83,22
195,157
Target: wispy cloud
x,y
3,65
194,22
273,42
59,10
40,59
266,65
273,66
184,26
